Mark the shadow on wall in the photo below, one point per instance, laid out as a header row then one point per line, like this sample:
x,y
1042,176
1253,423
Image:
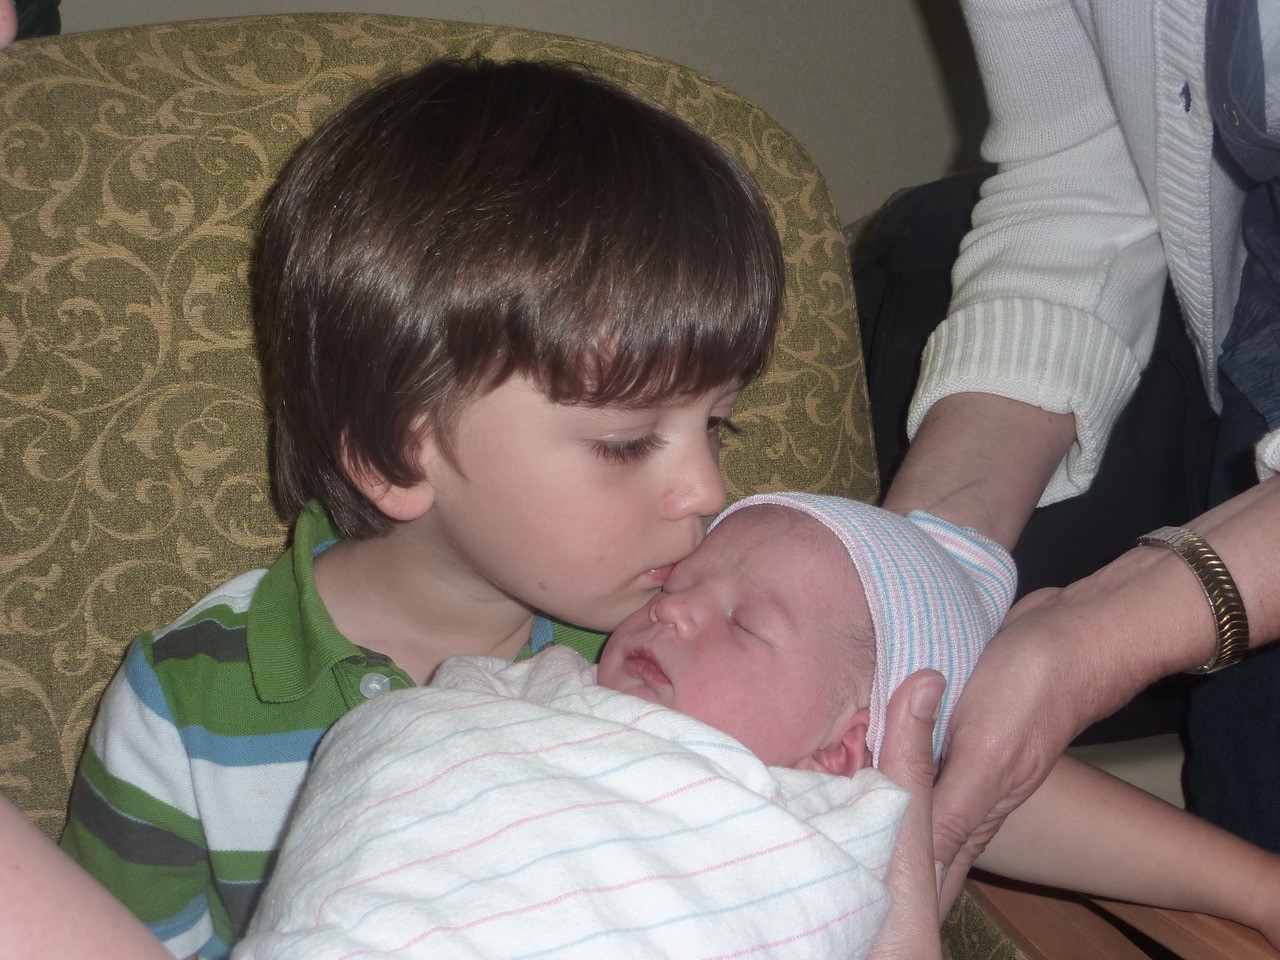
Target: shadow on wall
x,y
952,50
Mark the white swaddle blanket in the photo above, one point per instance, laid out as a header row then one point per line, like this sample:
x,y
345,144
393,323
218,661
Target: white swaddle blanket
x,y
521,810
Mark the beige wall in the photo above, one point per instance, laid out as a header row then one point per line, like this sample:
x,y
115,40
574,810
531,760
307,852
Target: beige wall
x,y
881,92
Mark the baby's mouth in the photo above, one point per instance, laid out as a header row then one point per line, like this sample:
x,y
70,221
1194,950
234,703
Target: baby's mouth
x,y
641,665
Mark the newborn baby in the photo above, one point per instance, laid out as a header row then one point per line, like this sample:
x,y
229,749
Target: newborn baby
x,y
681,806
770,633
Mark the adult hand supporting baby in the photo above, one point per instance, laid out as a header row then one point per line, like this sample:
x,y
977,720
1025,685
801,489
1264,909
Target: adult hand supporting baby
x,y
1012,722
910,931
1066,658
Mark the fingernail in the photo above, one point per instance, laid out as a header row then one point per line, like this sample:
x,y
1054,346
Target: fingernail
x,y
926,702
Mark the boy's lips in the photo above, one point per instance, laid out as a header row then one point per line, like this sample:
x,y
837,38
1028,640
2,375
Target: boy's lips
x,y
659,574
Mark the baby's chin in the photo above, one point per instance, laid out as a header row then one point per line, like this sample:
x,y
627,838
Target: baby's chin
x,y
639,691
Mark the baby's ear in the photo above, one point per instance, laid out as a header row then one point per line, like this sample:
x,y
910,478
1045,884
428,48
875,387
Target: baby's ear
x,y
396,501
848,754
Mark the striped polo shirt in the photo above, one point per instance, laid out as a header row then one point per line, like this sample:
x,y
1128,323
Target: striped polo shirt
x,y
204,736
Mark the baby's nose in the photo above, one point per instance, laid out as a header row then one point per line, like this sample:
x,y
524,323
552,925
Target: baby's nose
x,y
675,610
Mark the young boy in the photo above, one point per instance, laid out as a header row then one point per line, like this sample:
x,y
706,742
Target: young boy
x,y
505,311
523,809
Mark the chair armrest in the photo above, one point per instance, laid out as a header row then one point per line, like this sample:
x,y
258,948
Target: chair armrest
x,y
1193,936
1046,924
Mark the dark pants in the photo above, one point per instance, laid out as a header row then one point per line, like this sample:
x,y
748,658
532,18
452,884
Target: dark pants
x,y
38,18
1165,463
1232,775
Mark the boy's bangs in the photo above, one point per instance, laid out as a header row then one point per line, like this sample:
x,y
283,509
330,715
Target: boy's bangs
x,y
672,295
650,350
648,265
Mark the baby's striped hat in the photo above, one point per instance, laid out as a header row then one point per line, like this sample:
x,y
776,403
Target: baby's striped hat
x,y
937,593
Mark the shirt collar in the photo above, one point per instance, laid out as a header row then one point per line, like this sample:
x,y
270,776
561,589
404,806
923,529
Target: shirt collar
x,y
292,641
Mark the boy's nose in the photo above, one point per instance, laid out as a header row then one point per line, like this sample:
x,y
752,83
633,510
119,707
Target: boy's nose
x,y
699,489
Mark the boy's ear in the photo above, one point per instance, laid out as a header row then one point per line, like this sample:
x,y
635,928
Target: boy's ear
x,y
848,754
396,501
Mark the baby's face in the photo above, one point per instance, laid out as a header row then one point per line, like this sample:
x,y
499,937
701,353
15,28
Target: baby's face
x,y
748,634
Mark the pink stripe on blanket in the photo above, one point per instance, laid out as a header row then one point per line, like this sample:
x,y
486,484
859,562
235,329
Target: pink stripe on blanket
x,y
592,891
507,828
802,935
381,801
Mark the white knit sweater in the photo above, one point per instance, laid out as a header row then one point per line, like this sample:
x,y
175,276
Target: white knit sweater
x,y
1106,180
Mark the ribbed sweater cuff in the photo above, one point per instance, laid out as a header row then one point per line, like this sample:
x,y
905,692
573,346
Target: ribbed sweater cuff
x,y
1059,358
1267,455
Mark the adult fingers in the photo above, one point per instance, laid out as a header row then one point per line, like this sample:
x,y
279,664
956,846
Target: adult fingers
x,y
910,931
906,756
967,804
999,751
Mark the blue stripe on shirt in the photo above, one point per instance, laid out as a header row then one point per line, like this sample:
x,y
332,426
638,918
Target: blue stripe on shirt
x,y
293,746
145,684
543,635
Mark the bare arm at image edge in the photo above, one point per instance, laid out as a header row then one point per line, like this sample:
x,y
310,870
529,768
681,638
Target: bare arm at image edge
x,y
8,23
1077,832
38,882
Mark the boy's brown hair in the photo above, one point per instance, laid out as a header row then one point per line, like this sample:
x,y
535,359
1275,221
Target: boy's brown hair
x,y
476,220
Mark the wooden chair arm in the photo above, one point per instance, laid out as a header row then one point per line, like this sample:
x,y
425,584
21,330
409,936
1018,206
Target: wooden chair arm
x,y
1193,936
1048,924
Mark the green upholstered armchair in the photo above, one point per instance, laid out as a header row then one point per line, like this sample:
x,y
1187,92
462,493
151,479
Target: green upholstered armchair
x,y
132,445
133,468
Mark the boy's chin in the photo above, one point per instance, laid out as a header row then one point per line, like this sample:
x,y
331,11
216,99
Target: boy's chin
x,y
605,617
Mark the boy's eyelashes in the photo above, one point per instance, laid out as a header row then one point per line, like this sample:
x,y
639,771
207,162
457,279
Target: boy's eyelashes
x,y
723,425
637,448
625,451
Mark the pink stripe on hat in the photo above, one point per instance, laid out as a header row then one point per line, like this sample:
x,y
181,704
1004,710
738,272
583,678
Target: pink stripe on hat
x,y
937,593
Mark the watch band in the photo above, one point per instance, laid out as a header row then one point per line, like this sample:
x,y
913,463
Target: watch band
x,y
1229,619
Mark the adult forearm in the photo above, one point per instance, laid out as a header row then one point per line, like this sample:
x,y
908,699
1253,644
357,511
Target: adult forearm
x,y
1148,609
1145,615
982,461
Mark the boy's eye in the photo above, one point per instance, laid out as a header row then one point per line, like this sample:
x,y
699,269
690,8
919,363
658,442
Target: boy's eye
x,y
717,427
722,425
626,451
